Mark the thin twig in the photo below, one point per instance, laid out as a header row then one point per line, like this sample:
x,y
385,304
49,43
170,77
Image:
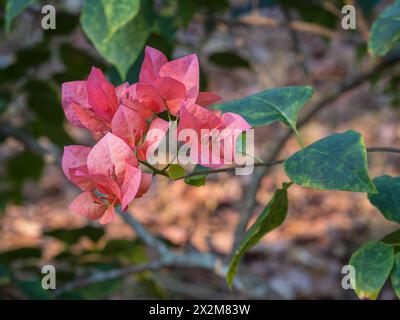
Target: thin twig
x,y
230,169
383,149
274,163
108,275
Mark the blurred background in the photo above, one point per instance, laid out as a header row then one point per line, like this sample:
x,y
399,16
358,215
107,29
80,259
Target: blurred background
x,y
244,46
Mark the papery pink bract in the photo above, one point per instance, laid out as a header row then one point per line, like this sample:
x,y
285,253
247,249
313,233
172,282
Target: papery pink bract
x,y
102,95
157,130
193,116
186,71
74,93
223,128
92,104
165,85
204,99
109,154
152,63
124,120
74,165
129,125
110,168
88,205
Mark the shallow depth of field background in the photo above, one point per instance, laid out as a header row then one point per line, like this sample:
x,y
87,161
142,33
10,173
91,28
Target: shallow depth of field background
x,y
301,259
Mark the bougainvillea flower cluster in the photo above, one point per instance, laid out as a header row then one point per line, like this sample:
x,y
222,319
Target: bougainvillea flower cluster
x,y
121,120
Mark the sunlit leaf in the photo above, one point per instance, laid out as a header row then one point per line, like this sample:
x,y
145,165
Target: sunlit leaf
x,y
387,200
373,263
176,171
269,106
336,162
119,12
120,46
197,180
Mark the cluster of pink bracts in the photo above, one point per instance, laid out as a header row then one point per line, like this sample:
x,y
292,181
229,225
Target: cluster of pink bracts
x,y
119,118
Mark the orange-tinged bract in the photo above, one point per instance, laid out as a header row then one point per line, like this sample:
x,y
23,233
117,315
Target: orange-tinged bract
x,y
124,120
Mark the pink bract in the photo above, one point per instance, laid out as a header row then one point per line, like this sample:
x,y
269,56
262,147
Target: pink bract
x,y
126,122
108,174
165,85
224,128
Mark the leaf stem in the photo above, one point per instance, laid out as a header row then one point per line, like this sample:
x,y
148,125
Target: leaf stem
x,y
299,138
154,169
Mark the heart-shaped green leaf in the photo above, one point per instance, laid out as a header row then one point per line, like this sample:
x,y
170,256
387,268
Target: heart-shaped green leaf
x,y
387,200
197,180
119,43
385,31
176,171
270,218
269,106
373,263
337,162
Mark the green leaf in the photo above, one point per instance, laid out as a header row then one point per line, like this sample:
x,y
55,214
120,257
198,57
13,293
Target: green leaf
x,y
197,180
119,12
176,172
385,31
269,106
228,59
387,200
123,45
71,236
373,263
13,9
337,162
270,218
396,275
